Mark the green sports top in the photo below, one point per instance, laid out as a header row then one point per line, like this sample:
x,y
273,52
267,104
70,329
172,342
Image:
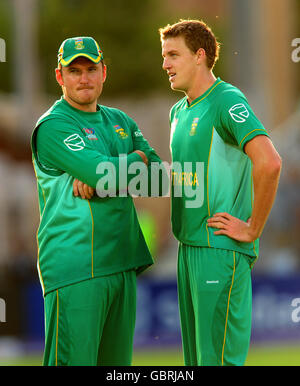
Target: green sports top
x,y
81,239
211,172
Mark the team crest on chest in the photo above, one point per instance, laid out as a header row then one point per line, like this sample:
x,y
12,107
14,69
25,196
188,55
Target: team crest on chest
x,y
90,133
194,126
120,132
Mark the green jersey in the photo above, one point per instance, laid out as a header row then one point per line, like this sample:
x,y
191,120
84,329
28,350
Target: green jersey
x,y
211,171
81,239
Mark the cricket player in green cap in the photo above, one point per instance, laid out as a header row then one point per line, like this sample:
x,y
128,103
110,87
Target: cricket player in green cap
x,y
89,250
236,169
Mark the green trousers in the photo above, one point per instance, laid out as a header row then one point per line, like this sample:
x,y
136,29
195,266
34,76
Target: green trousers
x,y
92,322
215,304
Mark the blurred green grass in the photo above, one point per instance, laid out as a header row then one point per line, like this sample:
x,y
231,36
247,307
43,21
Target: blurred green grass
x,y
258,356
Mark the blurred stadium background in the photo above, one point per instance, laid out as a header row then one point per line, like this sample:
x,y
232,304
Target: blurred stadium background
x,y
256,55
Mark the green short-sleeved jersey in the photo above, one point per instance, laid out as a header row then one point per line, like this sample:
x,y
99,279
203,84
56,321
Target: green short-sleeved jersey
x,y
81,239
211,171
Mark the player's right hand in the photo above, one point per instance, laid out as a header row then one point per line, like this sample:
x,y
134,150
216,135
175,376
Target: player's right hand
x,y
232,227
82,189
142,155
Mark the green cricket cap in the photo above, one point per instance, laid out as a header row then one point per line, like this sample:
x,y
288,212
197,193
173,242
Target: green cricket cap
x,y
72,48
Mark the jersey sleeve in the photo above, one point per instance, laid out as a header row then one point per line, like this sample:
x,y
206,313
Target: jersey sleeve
x,y
158,178
140,143
237,124
61,148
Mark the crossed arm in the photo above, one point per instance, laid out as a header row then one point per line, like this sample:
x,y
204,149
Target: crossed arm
x,y
86,191
266,172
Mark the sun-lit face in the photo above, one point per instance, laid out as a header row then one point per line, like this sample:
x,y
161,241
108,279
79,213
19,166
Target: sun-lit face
x,y
180,63
82,83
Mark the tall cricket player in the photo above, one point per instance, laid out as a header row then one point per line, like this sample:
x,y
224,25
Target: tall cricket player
x,y
218,241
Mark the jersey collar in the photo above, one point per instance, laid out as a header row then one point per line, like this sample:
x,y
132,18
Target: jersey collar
x,y
204,95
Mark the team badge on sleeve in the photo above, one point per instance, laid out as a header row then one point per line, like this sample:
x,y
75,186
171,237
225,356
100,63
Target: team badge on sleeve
x,y
138,134
239,112
74,142
90,133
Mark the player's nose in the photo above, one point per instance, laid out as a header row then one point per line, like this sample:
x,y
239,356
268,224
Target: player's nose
x,y
165,64
84,77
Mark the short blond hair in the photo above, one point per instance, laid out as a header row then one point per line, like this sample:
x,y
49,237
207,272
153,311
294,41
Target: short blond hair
x,y
197,34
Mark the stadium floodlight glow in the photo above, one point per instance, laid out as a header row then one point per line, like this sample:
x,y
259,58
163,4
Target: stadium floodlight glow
x,y
2,50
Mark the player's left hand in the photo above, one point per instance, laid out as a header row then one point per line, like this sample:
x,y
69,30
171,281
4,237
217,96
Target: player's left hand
x,y
82,189
232,227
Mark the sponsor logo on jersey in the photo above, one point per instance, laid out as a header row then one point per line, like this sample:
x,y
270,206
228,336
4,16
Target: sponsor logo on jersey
x,y
194,126
239,113
120,131
79,44
138,134
74,142
90,134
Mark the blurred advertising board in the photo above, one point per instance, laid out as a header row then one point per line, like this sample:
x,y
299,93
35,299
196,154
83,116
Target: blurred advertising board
x,y
275,314
275,311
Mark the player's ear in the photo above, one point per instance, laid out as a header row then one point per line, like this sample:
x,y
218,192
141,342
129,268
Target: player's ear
x,y
201,54
58,75
104,72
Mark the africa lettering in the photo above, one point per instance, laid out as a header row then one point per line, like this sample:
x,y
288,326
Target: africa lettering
x,y
184,178
137,180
